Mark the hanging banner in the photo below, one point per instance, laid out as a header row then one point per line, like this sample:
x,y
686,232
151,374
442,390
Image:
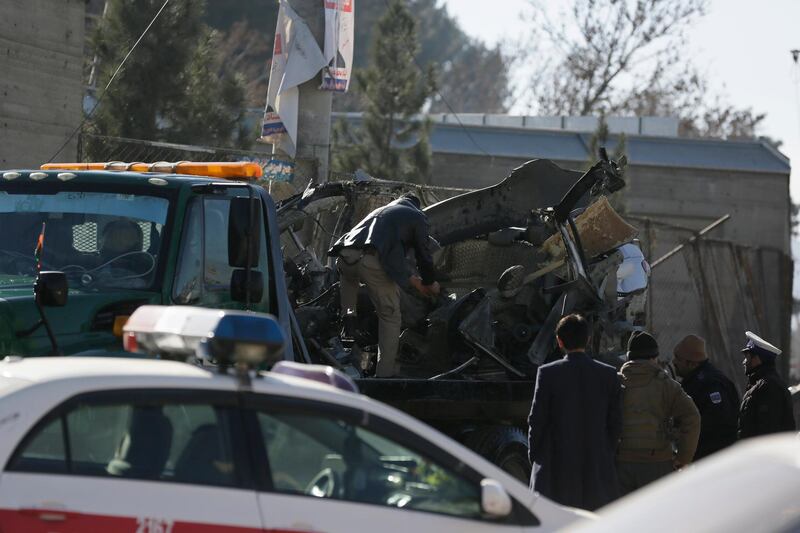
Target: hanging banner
x,y
296,58
339,32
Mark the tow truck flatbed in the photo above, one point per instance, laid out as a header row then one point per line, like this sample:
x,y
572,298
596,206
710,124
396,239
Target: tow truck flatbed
x,y
455,401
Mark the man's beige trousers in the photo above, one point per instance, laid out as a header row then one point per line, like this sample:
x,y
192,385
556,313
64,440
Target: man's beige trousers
x,y
354,267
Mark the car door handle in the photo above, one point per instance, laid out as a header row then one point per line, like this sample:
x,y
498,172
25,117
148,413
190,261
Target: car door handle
x,y
45,515
49,516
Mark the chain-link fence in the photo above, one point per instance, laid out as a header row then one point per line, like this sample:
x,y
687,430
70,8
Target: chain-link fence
x,y
103,148
328,226
92,148
718,290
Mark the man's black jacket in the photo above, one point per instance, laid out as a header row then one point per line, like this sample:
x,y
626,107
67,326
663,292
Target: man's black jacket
x,y
718,402
391,230
574,427
767,404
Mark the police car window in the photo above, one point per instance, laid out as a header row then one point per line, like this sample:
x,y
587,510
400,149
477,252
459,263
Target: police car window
x,y
185,443
94,432
324,457
204,275
44,451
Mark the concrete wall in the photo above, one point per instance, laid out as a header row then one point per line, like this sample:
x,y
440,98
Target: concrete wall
x,y
41,89
758,203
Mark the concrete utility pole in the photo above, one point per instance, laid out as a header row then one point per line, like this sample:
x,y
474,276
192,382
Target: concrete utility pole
x,y
314,115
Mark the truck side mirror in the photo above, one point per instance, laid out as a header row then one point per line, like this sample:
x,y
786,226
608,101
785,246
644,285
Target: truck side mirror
x,y
51,289
244,232
240,287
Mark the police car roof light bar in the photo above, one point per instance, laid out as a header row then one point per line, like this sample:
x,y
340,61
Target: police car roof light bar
x,y
221,337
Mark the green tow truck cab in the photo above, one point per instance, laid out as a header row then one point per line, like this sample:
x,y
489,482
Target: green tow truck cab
x,y
126,236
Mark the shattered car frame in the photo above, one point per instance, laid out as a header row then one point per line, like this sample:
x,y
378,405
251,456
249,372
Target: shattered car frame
x,y
468,359
511,260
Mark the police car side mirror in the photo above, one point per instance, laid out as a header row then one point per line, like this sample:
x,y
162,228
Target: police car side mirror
x,y
244,232
495,501
240,286
51,289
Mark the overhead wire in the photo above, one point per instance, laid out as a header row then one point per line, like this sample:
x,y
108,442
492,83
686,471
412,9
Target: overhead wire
x,y
110,81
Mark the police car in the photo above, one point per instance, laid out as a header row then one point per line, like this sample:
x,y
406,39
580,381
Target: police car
x,y
156,445
752,486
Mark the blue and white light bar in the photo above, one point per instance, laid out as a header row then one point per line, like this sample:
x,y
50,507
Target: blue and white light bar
x,y
220,337
223,337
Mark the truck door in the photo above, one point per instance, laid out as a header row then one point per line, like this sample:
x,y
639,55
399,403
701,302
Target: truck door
x,y
203,275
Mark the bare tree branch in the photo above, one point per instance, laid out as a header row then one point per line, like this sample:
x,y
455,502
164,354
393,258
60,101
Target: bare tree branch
x,y
624,57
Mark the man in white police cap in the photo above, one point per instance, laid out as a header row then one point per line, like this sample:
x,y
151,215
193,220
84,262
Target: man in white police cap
x,y
767,404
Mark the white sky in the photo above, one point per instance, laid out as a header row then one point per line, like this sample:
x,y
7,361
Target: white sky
x,y
743,47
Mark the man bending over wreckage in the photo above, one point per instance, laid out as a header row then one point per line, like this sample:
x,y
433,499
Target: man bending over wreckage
x,y
374,253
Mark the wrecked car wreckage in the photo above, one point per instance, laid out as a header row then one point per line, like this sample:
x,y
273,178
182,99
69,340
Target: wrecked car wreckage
x,y
511,259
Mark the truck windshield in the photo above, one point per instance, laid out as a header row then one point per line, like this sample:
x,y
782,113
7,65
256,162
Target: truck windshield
x,y
100,240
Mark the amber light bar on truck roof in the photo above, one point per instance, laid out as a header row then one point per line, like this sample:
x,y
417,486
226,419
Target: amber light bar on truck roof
x,y
240,170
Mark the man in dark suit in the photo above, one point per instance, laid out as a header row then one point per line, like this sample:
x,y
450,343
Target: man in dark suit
x,y
575,423
374,253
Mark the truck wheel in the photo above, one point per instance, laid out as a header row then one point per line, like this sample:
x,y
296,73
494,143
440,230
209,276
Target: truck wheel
x,y
505,446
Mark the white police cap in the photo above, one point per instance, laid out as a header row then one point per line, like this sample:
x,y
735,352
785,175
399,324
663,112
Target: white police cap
x,y
758,346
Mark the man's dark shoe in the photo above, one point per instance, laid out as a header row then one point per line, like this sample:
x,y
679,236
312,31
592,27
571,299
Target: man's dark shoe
x,y
349,326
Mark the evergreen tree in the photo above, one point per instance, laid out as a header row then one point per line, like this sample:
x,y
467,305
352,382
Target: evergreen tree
x,y
171,88
472,77
392,142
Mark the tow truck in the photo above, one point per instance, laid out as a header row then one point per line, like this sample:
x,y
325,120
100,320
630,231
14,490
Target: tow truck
x,y
116,236
120,236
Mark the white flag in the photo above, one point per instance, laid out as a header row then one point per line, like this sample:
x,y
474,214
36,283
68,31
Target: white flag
x,y
296,58
339,32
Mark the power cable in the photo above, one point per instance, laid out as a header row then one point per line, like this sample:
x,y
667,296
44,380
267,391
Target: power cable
x,y
110,81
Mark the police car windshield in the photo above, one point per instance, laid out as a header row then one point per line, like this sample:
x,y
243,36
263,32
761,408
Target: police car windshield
x,y
100,240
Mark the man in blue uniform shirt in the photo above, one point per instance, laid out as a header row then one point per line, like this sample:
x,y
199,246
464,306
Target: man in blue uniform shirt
x,y
714,395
